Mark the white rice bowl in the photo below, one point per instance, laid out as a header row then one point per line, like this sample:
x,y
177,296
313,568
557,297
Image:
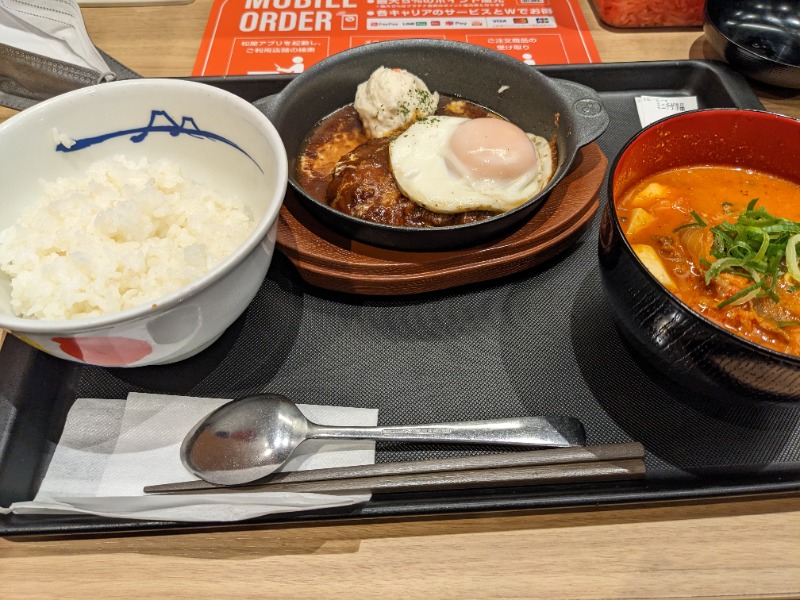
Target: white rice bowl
x,y
220,142
125,234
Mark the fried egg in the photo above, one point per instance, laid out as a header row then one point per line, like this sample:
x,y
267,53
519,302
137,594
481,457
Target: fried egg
x,y
453,164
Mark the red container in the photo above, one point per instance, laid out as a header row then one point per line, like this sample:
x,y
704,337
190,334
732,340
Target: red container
x,y
698,355
650,13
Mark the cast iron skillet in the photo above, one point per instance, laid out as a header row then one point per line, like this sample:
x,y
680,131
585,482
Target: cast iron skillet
x,y
759,38
571,113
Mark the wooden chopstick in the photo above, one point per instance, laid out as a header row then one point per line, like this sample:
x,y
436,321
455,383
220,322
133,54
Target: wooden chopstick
x,y
590,463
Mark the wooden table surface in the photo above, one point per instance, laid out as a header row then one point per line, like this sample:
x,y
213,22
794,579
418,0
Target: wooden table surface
x,y
736,548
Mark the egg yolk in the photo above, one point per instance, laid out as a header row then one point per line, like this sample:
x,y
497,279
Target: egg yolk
x,y
489,148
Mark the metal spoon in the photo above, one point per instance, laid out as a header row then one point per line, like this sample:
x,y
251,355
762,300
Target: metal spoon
x,y
247,439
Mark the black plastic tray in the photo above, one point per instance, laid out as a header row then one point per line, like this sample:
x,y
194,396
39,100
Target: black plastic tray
x,y
540,342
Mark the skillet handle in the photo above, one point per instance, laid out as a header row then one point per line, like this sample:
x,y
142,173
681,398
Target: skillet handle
x,y
591,118
267,105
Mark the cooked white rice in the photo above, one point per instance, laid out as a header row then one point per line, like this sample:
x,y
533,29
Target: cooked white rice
x,y
125,234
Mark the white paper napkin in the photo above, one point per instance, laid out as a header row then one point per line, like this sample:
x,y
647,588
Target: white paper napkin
x,y
111,449
51,28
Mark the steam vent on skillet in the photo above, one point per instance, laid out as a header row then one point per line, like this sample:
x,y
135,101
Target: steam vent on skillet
x,y
746,347
568,113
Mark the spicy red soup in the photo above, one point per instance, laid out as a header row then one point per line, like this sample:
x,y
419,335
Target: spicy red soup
x,y
725,241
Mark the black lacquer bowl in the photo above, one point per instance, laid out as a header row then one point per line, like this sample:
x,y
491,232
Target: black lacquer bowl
x,y
570,112
759,38
693,352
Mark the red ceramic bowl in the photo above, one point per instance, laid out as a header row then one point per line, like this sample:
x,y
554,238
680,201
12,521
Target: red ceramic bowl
x,y
693,352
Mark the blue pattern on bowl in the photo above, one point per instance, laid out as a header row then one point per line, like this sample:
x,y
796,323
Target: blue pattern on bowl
x,y
187,126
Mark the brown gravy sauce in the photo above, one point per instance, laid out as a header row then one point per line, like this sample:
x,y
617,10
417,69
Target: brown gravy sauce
x,y
369,192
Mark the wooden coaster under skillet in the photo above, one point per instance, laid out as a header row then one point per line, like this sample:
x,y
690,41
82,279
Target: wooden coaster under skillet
x,y
334,262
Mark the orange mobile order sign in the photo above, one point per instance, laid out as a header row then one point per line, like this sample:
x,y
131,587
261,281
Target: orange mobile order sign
x,y
287,36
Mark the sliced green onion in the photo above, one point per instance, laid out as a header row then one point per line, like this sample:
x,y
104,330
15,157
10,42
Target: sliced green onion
x,y
698,221
722,265
742,297
758,246
791,257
